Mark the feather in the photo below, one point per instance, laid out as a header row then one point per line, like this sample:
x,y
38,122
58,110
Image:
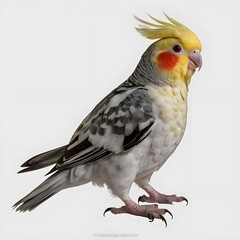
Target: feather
x,y
44,191
43,160
115,127
174,29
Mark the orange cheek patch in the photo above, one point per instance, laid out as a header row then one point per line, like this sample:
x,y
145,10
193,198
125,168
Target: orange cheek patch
x,y
167,60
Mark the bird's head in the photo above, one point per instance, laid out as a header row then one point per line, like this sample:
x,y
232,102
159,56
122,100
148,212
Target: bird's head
x,y
176,53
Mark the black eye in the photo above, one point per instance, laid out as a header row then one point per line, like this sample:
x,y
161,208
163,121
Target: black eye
x,y
177,48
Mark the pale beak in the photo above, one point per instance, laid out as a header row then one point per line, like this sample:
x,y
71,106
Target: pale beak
x,y
195,60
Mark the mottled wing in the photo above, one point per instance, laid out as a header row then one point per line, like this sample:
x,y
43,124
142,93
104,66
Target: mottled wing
x,y
122,120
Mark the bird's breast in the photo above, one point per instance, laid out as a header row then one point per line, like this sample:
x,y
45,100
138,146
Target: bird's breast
x,y
170,106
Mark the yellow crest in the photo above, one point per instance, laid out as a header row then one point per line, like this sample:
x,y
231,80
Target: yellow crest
x,y
174,29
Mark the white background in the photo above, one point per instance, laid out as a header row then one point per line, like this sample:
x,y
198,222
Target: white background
x,y
59,58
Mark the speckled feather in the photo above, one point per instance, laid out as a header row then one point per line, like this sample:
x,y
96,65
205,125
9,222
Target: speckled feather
x,y
132,131
120,122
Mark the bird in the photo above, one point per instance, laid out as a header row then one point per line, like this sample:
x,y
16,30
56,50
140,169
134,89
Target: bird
x,y
131,132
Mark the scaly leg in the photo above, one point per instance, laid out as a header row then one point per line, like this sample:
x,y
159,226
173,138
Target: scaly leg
x,y
149,211
156,197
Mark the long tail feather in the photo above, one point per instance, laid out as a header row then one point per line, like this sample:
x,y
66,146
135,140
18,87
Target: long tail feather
x,y
43,160
47,189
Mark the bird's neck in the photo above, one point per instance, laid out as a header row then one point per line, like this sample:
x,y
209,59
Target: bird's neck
x,y
145,73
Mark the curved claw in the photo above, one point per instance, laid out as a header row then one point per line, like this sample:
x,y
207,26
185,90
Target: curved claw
x,y
150,217
140,198
107,210
167,211
184,199
163,219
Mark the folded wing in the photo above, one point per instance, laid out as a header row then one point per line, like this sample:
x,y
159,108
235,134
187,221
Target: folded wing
x,y
121,121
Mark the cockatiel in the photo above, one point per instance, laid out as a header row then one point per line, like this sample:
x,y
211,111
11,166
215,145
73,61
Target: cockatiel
x,y
132,132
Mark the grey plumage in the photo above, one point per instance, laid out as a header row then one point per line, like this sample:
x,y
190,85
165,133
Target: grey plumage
x,y
43,160
125,123
132,132
105,127
145,72
119,122
47,189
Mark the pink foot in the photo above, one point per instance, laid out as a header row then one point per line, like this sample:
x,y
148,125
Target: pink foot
x,y
162,198
149,211
156,197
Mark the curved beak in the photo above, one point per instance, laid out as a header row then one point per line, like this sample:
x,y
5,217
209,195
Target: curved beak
x,y
195,60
